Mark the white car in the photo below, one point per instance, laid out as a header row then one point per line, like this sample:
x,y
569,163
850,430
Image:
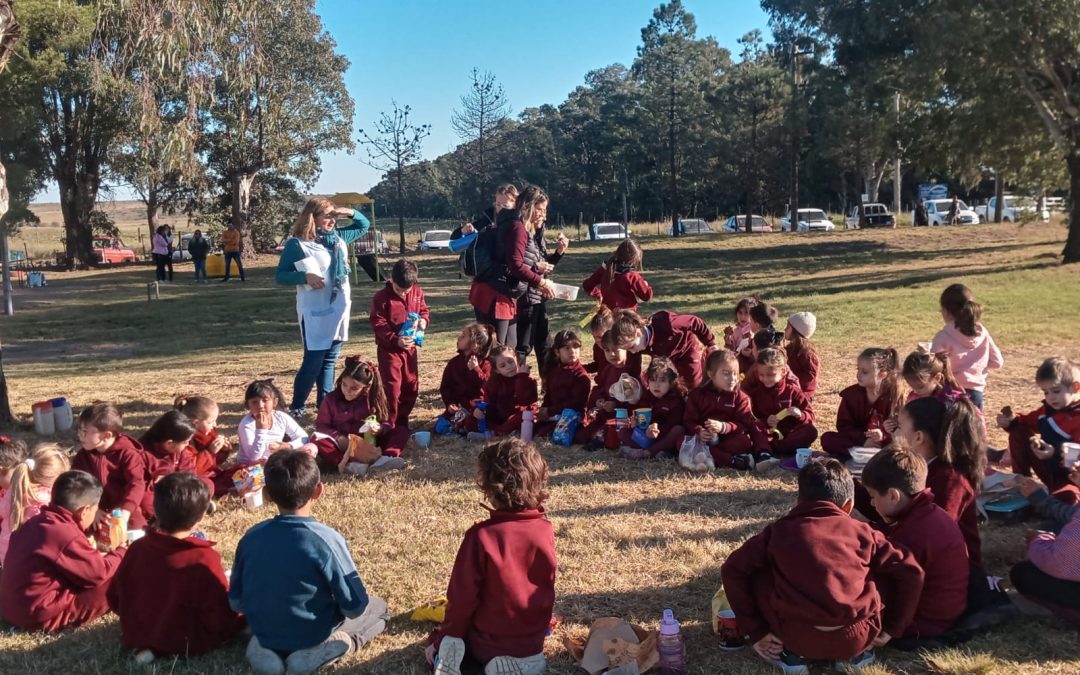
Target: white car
x,y
689,226
810,220
599,231
937,212
435,240
1013,210
738,224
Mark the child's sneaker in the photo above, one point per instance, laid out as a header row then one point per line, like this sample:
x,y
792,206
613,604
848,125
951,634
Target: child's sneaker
x,y
262,660
792,663
743,462
355,469
732,644
763,461
451,653
304,661
144,657
626,452
510,665
299,414
856,664
479,436
388,463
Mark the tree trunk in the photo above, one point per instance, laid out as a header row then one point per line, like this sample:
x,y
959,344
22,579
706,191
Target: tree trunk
x,y
240,183
7,420
400,215
152,210
1071,252
673,185
999,194
78,194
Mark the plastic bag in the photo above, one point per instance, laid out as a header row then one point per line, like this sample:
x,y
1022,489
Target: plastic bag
x,y
627,389
695,456
566,427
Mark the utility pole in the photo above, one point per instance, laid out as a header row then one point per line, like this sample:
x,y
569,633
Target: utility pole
x,y
796,134
625,212
896,170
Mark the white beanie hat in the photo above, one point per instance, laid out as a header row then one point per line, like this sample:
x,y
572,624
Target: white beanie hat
x,y
804,323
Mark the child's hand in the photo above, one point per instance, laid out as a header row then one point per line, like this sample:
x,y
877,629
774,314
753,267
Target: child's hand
x,y
769,647
796,413
653,431
342,442
1032,535
524,369
1026,486
874,438
706,436
373,427
891,425
717,427
772,421
1005,421
101,519
1041,448
406,342
607,406
453,408
478,414
882,640
264,419
473,363
729,330
217,445
310,448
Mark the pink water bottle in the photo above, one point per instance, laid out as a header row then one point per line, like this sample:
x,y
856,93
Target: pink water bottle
x,y
670,645
527,426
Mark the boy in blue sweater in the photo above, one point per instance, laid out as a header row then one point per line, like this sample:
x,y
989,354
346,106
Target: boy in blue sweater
x,y
294,579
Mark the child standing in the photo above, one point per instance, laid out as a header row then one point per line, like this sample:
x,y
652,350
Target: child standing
x,y
784,409
801,355
665,395
1056,421
266,425
358,395
116,460
929,374
509,392
30,489
207,449
617,283
165,443
971,350
896,482
170,590
806,588
464,376
566,384
295,581
865,407
502,587
680,337
720,415
53,577
398,366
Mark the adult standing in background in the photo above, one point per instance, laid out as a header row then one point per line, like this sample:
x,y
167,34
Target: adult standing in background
x,y
161,249
199,248
230,245
323,297
532,321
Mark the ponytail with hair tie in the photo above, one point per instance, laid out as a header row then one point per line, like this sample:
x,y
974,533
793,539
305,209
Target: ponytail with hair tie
x,y
30,464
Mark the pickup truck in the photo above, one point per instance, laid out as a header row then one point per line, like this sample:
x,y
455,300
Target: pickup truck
x,y
111,250
877,215
1014,209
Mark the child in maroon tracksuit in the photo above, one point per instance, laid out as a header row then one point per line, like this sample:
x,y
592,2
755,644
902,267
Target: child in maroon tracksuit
x,y
502,587
398,365
761,340
1056,421
207,450
566,383
617,283
170,590
165,443
508,393
664,396
868,410
896,482
680,337
116,460
807,587
772,396
602,404
53,577
464,376
719,414
358,395
801,354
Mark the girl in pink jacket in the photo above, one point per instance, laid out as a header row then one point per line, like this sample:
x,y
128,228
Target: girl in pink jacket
x,y
971,350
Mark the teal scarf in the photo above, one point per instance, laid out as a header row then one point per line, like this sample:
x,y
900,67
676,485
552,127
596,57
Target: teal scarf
x,y
339,270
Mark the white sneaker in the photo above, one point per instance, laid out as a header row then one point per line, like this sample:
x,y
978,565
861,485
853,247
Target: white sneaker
x,y
387,463
509,665
451,653
309,660
262,660
355,469
144,657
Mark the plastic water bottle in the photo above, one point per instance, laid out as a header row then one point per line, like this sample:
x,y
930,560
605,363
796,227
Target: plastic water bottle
x,y
527,426
481,424
671,647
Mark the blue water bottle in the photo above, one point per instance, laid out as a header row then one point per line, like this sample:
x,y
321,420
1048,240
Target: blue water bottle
x,y
481,424
671,647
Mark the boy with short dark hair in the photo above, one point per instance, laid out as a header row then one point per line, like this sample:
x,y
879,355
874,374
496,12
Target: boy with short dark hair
x,y
295,581
53,577
115,459
398,366
170,592
805,588
896,481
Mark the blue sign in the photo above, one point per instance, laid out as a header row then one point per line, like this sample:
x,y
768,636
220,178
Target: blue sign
x,y
933,191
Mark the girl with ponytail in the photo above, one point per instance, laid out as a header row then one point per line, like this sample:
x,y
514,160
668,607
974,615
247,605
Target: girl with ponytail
x,y
357,396
31,488
967,343
868,408
464,376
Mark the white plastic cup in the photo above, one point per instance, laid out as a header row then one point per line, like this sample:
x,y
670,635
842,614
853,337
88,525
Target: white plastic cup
x,y
802,457
565,291
1070,453
135,535
253,500
423,438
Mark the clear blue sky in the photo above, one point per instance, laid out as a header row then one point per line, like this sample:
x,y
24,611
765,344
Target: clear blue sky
x,y
420,53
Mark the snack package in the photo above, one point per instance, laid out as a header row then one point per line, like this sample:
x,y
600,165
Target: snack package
x,y
614,643
360,450
627,389
411,328
566,427
249,479
432,610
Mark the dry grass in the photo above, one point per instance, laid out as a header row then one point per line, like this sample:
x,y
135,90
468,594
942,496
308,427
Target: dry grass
x,y
632,538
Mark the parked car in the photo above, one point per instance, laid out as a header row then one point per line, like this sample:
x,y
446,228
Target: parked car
x,y
110,250
692,226
875,215
1054,203
435,240
738,224
1013,210
937,212
598,231
810,220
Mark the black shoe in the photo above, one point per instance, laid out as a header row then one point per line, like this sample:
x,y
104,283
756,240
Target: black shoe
x,y
764,461
743,462
792,663
592,446
224,280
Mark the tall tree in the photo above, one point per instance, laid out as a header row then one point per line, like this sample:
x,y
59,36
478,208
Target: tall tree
x,y
396,144
9,35
483,110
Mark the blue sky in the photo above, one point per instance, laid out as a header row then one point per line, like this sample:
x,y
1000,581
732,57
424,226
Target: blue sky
x,y
420,53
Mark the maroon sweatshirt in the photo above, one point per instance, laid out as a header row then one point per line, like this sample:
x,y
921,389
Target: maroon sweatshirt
x,y
856,415
608,376
172,597
461,386
708,403
667,412
338,416
49,562
633,361
765,401
680,338
506,396
622,292
825,567
956,497
934,539
160,464
389,312
502,588
806,370
566,386
121,470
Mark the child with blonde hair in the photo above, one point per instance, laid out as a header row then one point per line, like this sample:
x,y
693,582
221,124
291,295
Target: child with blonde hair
x,y
208,450
30,489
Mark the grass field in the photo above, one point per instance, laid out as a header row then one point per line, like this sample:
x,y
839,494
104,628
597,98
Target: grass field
x,y
632,537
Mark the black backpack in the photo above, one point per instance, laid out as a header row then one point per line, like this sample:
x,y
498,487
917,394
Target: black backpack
x,y
485,261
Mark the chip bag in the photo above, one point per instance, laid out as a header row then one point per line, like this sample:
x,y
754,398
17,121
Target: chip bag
x,y
566,427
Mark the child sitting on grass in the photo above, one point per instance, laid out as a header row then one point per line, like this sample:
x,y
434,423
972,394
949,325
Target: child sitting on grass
x,y
929,374
566,382
165,443
30,489
266,425
12,454
508,393
502,587
170,591
868,407
116,460
801,355
664,395
896,481
617,283
464,376
737,337
208,450
295,581
782,407
53,576
601,404
806,588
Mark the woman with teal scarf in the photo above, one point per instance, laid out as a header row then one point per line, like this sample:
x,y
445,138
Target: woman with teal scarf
x,y
315,260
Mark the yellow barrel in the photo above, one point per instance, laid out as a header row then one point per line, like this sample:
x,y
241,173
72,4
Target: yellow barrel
x,y
215,265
